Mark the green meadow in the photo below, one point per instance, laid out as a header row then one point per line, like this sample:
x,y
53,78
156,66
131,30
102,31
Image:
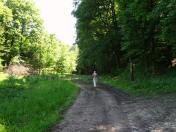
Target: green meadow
x,y
33,103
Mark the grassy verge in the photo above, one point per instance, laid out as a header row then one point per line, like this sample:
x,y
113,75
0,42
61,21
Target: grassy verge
x,y
144,85
30,104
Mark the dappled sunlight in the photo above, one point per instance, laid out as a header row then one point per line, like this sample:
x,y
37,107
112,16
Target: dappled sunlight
x,y
3,76
12,82
3,128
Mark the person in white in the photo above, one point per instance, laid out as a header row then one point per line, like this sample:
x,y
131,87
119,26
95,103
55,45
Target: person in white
x,y
94,78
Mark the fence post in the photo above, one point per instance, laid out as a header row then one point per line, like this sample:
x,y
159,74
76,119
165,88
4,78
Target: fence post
x,y
131,70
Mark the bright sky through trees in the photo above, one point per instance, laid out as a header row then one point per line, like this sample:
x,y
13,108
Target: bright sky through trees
x,y
58,19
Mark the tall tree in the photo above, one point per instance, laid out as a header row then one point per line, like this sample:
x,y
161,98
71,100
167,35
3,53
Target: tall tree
x,y
22,30
123,30
98,35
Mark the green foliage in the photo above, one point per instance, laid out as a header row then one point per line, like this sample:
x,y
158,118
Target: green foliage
x,y
16,60
167,14
144,85
23,39
59,67
67,61
33,103
1,66
21,30
2,128
98,35
116,31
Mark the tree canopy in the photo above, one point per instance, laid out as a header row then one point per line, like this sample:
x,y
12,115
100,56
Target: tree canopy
x,y
23,39
110,33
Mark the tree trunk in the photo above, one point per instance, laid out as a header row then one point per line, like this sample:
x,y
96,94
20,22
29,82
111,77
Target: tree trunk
x,y
152,40
132,71
21,43
116,29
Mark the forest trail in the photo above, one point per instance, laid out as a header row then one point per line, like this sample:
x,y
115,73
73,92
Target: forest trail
x,y
104,109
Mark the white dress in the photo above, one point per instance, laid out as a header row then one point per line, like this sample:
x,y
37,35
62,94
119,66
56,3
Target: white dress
x,y
94,79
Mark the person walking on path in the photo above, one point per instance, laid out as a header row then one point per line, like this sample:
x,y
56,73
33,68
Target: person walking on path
x,y
94,78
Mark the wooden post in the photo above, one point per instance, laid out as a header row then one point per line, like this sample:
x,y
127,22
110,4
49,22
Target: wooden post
x,y
131,71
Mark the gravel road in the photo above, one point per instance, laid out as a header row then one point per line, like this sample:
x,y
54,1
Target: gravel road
x,y
105,109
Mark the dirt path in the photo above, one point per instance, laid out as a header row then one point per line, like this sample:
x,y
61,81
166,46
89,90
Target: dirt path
x,y
104,109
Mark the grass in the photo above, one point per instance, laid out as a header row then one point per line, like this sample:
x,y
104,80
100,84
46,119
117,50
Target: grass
x,y
149,85
35,103
144,85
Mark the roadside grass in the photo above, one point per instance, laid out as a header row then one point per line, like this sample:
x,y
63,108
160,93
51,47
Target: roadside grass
x,y
145,84
35,103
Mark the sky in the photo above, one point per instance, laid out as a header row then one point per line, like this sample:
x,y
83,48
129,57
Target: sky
x,y
58,19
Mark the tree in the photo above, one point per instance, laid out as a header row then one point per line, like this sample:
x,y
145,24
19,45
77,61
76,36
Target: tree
x,y
123,30
5,18
98,35
22,30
